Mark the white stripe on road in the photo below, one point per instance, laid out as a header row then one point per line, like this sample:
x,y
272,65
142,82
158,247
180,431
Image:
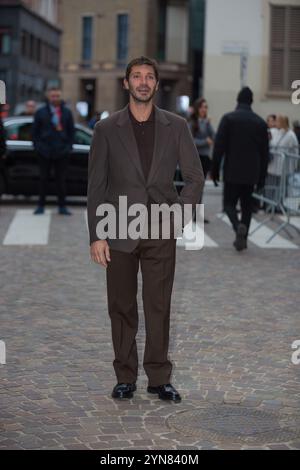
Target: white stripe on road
x,y
28,229
189,231
86,219
260,237
293,220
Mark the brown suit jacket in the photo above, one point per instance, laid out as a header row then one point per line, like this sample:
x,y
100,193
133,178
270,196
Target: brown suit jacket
x,y
115,168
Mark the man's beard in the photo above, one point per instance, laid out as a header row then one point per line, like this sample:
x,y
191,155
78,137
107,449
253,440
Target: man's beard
x,y
140,99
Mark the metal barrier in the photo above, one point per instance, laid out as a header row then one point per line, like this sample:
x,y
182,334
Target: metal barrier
x,y
281,193
291,190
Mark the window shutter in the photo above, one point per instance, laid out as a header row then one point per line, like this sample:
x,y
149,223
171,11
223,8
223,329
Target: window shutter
x,y
277,48
294,45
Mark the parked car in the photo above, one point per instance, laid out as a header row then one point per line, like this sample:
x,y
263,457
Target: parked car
x,y
19,170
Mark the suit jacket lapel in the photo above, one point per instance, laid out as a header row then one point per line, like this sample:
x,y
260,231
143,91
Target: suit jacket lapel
x,y
161,138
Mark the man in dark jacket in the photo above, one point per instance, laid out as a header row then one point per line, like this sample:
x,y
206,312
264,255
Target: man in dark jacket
x,y
53,136
242,139
134,154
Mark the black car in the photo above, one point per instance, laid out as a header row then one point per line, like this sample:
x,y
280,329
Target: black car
x,y
19,170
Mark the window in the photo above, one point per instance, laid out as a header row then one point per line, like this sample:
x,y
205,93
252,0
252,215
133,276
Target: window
x,y
19,131
24,42
38,51
43,53
47,55
122,37
5,41
87,38
82,138
31,46
50,57
162,19
285,47
177,33
56,58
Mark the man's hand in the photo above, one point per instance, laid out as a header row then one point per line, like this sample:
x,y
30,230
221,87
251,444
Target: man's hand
x,y
209,141
100,252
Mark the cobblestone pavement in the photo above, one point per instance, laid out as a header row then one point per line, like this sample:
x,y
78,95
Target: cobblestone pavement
x,y
234,318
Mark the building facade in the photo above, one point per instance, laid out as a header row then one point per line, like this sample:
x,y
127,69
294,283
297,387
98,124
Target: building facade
x,y
48,9
254,43
29,59
101,36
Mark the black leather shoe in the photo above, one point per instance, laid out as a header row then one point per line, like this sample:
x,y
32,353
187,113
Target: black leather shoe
x,y
165,392
123,390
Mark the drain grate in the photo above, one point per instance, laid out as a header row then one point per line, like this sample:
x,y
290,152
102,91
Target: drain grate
x,y
235,423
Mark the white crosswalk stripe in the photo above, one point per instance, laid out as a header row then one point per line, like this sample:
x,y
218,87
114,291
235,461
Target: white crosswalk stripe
x,y
28,229
188,235
293,220
260,236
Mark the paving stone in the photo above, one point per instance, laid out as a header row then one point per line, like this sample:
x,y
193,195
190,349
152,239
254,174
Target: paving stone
x,y
234,318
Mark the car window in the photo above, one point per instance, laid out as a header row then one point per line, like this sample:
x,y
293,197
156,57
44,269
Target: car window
x,y
82,138
19,131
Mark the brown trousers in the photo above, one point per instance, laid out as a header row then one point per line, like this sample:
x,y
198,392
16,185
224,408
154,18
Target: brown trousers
x,y
157,260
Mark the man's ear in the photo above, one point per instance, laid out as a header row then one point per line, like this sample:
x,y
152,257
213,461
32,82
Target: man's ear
x,y
125,84
157,85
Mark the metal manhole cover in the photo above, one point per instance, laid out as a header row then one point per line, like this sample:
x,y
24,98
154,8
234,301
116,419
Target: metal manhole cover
x,y
236,424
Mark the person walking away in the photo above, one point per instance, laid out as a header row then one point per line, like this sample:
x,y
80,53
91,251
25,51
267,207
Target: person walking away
x,y
204,135
242,139
53,137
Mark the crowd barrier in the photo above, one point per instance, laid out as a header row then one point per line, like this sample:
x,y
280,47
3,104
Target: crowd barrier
x,y
281,193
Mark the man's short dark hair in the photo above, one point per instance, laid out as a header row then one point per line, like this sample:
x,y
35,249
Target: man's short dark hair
x,y
142,61
245,96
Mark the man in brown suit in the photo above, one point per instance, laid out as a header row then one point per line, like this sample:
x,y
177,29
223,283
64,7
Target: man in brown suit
x,y
135,153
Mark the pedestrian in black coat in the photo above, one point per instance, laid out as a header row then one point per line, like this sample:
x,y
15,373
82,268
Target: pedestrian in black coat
x,y
242,140
53,137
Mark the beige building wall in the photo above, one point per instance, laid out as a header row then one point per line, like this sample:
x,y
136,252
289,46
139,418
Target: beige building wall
x,y
232,27
103,65
143,30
